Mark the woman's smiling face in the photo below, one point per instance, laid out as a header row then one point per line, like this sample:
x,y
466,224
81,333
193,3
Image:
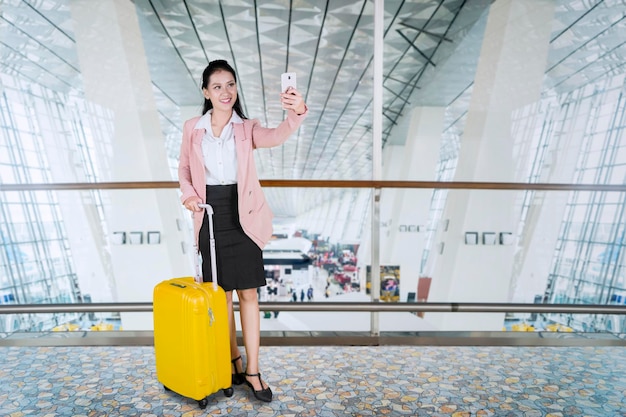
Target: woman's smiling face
x,y
221,90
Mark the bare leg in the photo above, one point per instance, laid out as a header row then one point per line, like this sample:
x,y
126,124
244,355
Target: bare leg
x,y
251,329
234,349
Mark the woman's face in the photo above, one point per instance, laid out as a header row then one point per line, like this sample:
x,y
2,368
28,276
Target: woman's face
x,y
221,90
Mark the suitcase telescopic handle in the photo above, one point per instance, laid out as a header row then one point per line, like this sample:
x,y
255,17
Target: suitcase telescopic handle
x,y
209,211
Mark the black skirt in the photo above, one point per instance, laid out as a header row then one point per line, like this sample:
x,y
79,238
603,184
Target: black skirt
x,y
239,260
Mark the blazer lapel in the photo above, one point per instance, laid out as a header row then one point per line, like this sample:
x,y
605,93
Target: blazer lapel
x,y
243,150
196,142
240,140
240,134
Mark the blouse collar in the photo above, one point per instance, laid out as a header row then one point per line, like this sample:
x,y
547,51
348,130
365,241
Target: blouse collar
x,y
205,121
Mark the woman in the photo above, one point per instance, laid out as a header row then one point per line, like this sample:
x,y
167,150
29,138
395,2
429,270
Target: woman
x,y
217,167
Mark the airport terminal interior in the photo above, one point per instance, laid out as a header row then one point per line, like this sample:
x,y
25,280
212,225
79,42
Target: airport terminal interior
x,y
456,153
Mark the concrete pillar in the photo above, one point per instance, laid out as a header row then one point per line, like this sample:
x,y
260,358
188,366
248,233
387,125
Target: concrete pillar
x,y
407,210
508,77
115,75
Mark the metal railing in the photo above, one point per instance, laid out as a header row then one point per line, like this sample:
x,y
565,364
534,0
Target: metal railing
x,y
373,307
470,185
336,307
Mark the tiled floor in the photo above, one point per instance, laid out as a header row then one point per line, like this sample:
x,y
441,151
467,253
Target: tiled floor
x,y
328,381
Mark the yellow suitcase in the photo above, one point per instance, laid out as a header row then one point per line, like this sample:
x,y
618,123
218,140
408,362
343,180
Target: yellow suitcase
x,y
191,336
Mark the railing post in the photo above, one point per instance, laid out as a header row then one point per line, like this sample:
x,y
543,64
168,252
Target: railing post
x,y
377,129
375,272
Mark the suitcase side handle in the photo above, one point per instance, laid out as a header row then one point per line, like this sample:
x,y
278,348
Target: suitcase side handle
x,y
209,211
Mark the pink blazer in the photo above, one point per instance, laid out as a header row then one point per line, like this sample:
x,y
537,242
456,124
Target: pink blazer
x,y
255,215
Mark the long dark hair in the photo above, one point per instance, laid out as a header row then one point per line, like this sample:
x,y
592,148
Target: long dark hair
x,y
214,66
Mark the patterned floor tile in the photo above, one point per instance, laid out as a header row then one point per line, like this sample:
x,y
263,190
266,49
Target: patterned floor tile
x,y
328,381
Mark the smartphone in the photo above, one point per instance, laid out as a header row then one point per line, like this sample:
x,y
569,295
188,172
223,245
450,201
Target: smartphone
x,y
288,79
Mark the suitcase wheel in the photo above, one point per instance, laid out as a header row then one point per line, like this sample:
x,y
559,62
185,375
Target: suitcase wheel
x,y
203,403
229,391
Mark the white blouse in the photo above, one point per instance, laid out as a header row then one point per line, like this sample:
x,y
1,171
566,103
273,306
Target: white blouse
x,y
220,156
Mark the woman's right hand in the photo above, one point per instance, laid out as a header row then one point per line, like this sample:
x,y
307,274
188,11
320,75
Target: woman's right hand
x,y
192,203
292,99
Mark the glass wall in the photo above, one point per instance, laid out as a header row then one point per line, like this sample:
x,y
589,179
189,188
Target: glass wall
x,y
448,115
47,137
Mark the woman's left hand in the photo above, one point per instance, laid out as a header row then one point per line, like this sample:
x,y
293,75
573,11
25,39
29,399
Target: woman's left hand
x,y
292,100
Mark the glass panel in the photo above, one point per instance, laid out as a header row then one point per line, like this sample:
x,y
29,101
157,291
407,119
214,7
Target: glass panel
x,y
425,255
454,108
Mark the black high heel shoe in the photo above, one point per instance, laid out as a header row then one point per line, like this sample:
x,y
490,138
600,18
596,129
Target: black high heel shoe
x,y
238,377
264,394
